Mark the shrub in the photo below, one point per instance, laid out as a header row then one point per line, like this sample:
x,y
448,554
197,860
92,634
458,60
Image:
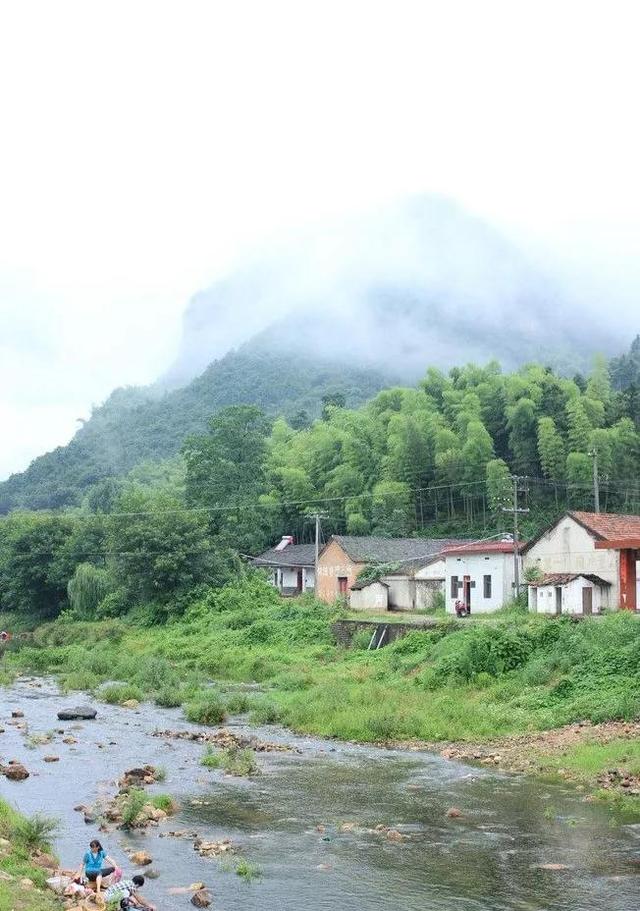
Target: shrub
x,y
238,703
165,802
35,831
132,805
265,711
247,871
212,759
208,709
117,693
169,697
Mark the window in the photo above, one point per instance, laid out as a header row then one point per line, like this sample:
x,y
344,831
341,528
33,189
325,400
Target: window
x,y
487,586
454,586
342,585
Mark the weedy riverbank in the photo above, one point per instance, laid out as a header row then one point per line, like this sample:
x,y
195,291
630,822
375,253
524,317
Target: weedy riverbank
x,y
517,675
24,852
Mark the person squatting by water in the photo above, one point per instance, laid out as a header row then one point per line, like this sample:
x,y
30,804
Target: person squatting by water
x,y
96,865
124,895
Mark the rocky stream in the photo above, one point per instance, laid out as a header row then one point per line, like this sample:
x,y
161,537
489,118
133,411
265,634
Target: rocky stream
x,y
321,826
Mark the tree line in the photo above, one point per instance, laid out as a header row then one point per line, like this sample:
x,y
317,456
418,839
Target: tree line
x,y
435,459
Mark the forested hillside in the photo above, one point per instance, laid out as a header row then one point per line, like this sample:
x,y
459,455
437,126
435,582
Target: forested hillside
x,y
137,424
434,459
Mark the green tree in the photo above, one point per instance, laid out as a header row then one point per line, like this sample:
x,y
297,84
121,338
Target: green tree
x,y
552,450
87,588
157,549
31,580
580,427
499,485
391,509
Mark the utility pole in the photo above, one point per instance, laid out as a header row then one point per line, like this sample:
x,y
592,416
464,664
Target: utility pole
x,y
516,510
596,480
317,517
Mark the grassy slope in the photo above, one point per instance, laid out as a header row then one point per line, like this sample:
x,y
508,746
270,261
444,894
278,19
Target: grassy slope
x,y
15,861
458,682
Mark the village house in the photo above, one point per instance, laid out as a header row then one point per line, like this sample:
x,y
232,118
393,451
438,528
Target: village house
x,y
569,593
413,576
291,567
480,575
585,544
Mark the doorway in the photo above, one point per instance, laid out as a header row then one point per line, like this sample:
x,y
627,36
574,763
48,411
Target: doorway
x,y
558,599
587,601
466,592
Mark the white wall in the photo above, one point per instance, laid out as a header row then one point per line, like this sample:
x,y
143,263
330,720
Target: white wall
x,y
569,548
498,566
308,578
433,570
543,599
372,597
401,592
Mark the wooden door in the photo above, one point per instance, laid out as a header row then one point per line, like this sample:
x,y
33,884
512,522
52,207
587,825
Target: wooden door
x,y
587,601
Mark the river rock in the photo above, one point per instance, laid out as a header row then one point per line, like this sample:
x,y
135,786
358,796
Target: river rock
x,y
51,759
454,813
141,858
201,898
78,713
45,861
15,771
26,883
130,704
150,873
58,884
17,713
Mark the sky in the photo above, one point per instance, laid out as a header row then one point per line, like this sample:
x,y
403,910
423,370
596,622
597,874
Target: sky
x,y
147,147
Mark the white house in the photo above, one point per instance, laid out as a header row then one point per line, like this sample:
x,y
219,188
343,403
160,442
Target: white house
x,y
569,593
291,567
600,544
481,575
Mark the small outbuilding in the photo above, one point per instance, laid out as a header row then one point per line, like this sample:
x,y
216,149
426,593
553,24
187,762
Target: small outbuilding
x,y
369,596
581,594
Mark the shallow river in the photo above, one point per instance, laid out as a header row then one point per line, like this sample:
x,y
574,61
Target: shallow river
x,y
486,861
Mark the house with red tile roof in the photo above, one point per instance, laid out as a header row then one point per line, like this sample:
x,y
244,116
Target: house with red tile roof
x,y
480,575
585,544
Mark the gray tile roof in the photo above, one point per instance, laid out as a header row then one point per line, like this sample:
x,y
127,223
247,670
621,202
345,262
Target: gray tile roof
x,y
392,550
292,555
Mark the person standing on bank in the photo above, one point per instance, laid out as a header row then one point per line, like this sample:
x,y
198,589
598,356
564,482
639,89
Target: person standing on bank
x,y
97,865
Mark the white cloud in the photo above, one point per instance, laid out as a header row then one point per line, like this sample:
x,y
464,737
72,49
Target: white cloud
x,y
144,145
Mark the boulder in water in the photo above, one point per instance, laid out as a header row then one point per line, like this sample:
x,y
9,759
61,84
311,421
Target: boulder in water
x,y
15,771
201,898
78,713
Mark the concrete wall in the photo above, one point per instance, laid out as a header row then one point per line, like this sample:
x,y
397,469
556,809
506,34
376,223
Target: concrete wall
x,y
433,570
374,597
477,566
542,598
344,630
426,591
569,548
408,593
401,592
332,564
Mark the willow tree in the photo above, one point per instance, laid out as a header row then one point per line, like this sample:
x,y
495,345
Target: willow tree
x,y
87,588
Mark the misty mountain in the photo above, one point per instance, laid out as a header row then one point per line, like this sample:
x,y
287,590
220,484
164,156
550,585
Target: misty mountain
x,y
136,424
420,283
